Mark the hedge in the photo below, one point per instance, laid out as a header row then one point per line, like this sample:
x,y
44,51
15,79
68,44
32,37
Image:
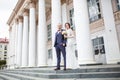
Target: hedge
x,y
2,62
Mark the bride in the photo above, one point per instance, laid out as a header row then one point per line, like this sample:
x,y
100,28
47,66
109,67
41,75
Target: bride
x,y
71,61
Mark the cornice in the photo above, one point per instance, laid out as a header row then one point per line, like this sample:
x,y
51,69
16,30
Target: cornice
x,y
15,11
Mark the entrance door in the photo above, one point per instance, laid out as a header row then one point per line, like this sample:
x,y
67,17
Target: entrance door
x,y
99,50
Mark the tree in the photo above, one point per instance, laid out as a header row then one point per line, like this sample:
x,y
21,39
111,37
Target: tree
x,y
2,63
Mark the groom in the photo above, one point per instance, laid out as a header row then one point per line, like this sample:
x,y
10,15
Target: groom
x,y
60,44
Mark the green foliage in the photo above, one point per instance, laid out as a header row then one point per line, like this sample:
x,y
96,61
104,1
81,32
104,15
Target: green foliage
x,y
2,62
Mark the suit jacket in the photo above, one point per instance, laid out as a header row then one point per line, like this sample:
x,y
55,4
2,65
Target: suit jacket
x,y
59,39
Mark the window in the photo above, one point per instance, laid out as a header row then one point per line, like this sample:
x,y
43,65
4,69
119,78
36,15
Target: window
x,y
118,4
50,54
76,53
4,58
5,47
49,32
0,46
94,10
72,21
5,52
98,45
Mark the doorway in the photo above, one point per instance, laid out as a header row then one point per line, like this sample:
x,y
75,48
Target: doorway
x,y
99,50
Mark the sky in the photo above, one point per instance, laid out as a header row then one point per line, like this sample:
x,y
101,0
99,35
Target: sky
x,y
6,8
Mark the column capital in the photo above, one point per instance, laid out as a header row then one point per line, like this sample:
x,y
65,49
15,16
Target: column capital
x,y
32,4
20,18
32,0
16,20
25,12
10,28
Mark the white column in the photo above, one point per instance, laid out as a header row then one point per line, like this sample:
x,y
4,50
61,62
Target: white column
x,y
111,40
9,49
42,35
13,43
32,36
84,44
56,19
25,39
19,42
64,14
16,36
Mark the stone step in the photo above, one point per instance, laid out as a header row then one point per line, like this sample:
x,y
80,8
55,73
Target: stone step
x,y
19,77
108,72
99,79
70,75
40,70
85,79
81,68
4,77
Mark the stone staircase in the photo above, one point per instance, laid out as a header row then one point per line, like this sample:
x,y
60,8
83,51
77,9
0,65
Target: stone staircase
x,y
99,72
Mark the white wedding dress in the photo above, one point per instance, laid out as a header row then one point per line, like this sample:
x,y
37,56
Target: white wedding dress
x,y
71,61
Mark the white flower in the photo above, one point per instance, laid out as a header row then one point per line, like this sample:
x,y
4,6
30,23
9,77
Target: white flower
x,y
64,33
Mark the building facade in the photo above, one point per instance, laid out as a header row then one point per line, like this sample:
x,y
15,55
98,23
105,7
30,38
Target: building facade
x,y
3,48
33,24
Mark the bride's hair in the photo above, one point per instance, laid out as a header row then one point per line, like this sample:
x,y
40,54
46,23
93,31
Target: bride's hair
x,y
68,24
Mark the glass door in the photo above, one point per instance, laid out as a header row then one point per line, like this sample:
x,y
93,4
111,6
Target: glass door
x,y
99,50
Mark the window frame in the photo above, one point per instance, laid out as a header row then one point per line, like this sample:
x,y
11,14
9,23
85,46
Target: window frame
x,y
98,14
49,31
72,18
118,5
50,55
100,46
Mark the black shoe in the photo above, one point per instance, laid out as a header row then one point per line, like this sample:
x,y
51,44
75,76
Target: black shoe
x,y
64,69
69,68
57,69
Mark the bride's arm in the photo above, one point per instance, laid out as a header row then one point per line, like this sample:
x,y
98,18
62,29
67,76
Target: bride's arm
x,y
71,34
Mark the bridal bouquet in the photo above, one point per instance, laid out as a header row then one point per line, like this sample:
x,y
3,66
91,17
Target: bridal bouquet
x,y
64,33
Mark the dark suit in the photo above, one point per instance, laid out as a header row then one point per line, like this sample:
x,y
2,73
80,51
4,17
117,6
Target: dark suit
x,y
59,41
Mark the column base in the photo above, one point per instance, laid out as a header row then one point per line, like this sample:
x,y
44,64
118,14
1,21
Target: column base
x,y
40,66
118,63
24,66
31,66
82,62
113,61
92,64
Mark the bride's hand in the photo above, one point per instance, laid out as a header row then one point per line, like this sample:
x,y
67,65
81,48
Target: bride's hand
x,y
65,36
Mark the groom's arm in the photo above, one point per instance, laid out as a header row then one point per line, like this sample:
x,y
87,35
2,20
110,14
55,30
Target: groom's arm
x,y
55,41
64,39
64,42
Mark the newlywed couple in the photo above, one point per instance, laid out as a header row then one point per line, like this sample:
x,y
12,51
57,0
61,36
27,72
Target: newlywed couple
x,y
64,42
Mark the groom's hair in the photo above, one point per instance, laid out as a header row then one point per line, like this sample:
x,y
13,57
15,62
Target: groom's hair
x,y
59,24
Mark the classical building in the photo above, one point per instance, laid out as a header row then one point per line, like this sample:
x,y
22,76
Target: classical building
x,y
3,48
33,24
